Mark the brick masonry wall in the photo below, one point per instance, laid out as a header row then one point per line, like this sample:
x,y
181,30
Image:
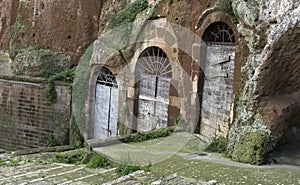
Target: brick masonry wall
x,y
26,121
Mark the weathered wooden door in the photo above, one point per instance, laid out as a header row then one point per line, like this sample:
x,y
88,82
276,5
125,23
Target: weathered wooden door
x,y
106,106
217,94
154,85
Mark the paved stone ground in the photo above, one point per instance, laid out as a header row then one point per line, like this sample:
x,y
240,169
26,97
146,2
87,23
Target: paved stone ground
x,y
53,173
34,171
187,164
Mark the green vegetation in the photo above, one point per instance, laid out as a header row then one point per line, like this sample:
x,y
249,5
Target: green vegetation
x,y
77,139
99,161
182,123
77,157
224,173
65,76
251,148
127,166
127,14
143,136
51,141
36,61
125,169
2,151
218,145
82,156
95,160
12,162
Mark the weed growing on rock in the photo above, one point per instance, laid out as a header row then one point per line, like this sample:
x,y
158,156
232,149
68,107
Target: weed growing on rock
x,y
125,169
127,166
127,14
143,136
10,162
99,161
77,157
65,76
51,141
2,151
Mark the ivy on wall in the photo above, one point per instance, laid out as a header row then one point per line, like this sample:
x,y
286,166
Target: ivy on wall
x,y
65,76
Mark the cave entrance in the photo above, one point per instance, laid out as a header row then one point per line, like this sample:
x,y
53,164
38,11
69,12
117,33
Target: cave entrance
x,y
288,149
154,72
106,105
217,94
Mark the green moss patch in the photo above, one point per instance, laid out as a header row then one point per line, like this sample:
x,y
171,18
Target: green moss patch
x,y
81,157
251,148
127,14
99,161
143,136
218,145
65,76
224,174
73,157
38,62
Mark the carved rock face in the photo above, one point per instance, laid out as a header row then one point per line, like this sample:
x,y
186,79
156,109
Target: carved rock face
x,y
5,20
40,62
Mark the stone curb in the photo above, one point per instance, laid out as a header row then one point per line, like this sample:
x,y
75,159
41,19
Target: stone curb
x,y
42,150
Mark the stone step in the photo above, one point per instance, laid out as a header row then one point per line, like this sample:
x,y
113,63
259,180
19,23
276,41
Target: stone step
x,y
29,171
93,176
125,179
57,176
142,177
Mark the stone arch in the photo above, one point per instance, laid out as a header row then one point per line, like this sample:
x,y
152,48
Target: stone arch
x,y
154,73
105,105
219,37
219,33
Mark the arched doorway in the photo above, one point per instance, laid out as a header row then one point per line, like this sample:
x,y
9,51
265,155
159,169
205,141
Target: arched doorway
x,y
154,72
106,105
217,96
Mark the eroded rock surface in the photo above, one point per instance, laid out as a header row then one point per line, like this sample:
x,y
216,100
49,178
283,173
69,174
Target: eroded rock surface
x,y
270,96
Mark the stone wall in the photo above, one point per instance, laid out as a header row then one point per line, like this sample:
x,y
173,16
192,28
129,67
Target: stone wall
x,y
26,121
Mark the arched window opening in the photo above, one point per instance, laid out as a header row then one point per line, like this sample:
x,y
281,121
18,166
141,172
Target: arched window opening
x,y
154,73
107,78
106,105
219,33
154,61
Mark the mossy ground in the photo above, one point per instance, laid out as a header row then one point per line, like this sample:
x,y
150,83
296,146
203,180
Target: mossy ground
x,y
182,162
166,160
206,171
